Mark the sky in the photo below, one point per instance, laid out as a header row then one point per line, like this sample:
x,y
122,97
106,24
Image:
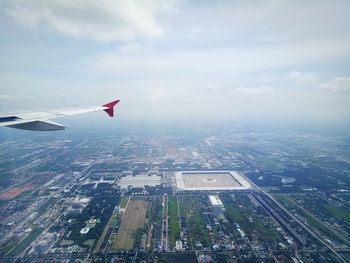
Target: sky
x,y
179,60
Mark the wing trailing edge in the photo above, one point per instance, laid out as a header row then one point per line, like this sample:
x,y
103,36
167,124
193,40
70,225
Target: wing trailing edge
x,y
38,125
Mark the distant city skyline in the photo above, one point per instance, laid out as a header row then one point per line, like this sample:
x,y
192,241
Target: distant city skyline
x,y
256,60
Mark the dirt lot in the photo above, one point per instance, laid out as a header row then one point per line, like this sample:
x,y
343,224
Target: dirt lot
x,y
133,219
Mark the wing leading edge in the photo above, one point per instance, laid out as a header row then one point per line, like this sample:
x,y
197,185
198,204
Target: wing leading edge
x,y
39,121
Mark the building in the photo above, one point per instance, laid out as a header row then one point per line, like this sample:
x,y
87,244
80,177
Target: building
x,y
211,181
139,181
217,205
215,201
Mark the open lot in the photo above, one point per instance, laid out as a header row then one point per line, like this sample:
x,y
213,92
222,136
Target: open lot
x,y
132,220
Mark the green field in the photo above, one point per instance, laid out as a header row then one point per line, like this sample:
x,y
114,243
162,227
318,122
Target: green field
x,y
111,222
269,163
123,202
155,211
190,208
338,212
233,212
173,220
24,243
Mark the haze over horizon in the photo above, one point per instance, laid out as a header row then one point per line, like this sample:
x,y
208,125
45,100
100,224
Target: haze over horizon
x,y
256,60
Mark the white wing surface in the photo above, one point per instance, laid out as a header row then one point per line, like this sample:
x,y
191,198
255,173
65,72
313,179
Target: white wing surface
x,y
40,121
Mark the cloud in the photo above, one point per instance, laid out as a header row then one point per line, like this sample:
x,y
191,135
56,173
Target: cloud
x,y
102,21
157,93
210,86
198,30
257,91
341,84
150,98
228,61
182,65
196,98
303,78
5,97
12,98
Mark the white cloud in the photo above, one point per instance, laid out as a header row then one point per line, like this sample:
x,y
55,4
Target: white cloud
x,y
12,98
157,93
341,84
303,78
257,91
150,98
210,86
196,98
198,30
5,97
212,61
103,21
188,71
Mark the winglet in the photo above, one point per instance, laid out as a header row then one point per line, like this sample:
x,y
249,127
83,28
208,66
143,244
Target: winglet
x,y
110,107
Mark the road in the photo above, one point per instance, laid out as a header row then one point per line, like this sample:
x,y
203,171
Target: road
x,y
165,228
311,232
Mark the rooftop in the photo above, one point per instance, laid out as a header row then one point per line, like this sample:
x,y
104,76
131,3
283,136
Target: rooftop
x,y
210,181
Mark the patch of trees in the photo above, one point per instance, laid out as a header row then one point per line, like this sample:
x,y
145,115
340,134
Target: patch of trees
x,y
100,208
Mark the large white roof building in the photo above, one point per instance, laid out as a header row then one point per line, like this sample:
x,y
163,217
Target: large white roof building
x,y
211,181
215,201
139,181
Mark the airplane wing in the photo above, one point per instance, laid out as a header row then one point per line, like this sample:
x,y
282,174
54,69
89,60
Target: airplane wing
x,y
40,121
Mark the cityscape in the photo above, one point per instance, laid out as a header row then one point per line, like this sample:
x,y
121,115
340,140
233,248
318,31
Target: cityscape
x,y
184,194
174,131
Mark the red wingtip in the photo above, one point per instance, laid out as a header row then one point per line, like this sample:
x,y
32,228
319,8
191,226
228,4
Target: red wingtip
x,y
110,107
